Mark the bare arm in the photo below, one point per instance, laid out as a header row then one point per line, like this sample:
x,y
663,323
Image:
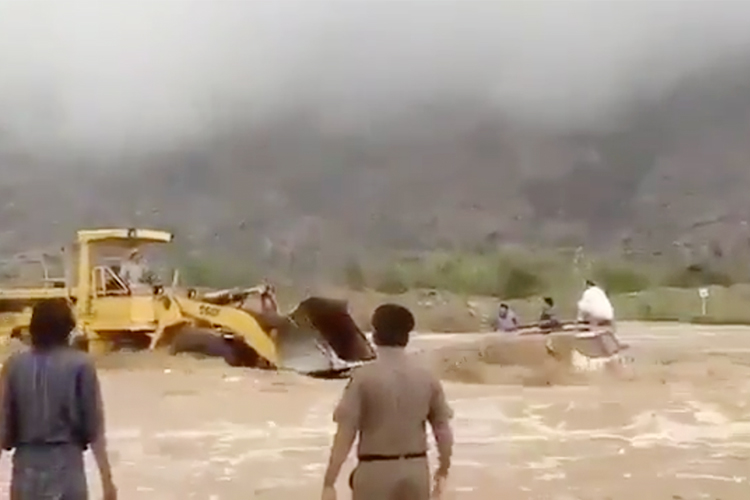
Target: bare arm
x,y
3,404
439,418
342,444
272,305
444,440
347,416
99,449
92,408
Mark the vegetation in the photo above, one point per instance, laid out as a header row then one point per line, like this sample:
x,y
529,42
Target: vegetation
x,y
211,273
507,275
454,291
354,276
619,278
504,275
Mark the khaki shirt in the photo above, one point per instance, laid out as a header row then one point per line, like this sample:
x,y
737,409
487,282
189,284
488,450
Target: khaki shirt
x,y
389,402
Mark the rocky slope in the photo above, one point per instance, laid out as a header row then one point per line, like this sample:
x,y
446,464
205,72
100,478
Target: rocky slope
x,y
675,173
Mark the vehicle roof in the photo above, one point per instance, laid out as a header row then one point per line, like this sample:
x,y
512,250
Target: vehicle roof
x,y
124,235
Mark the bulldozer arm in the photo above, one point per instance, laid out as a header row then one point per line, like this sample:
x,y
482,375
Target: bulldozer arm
x,y
318,338
230,320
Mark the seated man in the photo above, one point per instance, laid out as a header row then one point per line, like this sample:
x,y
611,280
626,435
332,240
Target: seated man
x,y
268,303
594,307
133,271
548,319
506,320
269,306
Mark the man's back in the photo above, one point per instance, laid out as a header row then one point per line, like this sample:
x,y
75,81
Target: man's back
x,y
387,403
595,303
50,398
399,395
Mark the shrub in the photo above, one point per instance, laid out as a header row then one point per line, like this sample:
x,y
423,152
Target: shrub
x,y
697,275
620,279
496,274
354,276
393,281
215,274
519,284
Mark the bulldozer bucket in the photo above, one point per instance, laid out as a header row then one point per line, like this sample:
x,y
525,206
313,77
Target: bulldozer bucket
x,y
319,338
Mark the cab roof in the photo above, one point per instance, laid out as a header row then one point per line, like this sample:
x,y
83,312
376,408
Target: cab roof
x,y
124,235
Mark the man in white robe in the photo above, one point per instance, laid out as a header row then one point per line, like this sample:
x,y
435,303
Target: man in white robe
x,y
595,307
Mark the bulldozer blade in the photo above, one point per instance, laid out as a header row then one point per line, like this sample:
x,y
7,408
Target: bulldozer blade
x,y
321,339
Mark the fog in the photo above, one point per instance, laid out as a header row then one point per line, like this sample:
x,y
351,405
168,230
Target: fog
x,y
119,74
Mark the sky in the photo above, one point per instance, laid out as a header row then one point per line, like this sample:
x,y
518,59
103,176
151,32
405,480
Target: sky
x,y
108,75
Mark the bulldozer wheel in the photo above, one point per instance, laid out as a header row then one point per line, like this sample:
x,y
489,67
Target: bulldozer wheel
x,y
21,334
81,343
207,342
98,346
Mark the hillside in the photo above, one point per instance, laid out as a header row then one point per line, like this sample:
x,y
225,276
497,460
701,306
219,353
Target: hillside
x,y
441,174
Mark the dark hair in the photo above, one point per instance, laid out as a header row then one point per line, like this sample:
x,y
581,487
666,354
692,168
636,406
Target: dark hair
x,y
549,301
590,283
51,323
503,304
391,324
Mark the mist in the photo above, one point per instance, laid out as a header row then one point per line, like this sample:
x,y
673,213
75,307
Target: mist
x,y
114,75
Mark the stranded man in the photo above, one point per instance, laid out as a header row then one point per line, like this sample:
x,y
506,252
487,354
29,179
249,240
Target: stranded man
x,y
506,320
548,318
268,303
594,306
388,403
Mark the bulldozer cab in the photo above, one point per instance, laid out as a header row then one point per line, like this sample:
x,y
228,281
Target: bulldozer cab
x,y
110,277
106,299
105,256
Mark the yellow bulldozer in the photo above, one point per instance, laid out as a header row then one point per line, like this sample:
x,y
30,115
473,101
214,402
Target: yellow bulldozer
x,y
116,311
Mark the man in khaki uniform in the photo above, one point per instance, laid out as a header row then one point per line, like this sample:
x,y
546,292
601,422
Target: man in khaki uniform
x,y
387,403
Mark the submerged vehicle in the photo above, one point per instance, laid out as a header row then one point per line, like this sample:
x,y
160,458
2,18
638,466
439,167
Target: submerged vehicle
x,y
575,343
570,346
317,338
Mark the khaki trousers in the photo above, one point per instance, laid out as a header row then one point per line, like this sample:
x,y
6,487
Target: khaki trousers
x,y
406,479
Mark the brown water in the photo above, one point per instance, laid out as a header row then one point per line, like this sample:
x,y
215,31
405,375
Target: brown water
x,y
676,426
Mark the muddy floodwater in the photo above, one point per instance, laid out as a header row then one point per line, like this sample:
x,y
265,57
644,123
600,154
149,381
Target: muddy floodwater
x,y
676,425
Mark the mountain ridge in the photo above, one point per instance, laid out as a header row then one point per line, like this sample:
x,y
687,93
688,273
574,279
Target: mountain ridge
x,y
451,174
